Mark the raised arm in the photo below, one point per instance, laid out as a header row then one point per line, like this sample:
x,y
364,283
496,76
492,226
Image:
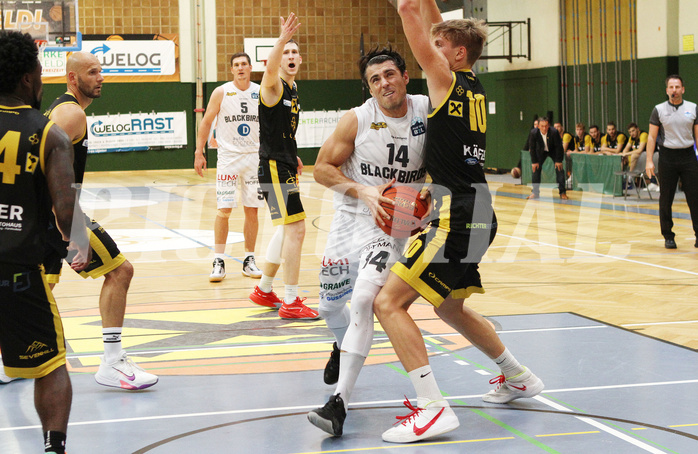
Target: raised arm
x,y
270,88
417,17
214,106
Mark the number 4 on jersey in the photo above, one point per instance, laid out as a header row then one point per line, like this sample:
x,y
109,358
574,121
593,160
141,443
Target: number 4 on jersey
x,y
9,146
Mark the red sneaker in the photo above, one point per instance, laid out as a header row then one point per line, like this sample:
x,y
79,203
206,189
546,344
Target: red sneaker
x,y
265,299
297,311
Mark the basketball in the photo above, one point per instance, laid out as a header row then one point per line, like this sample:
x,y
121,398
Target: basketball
x,y
406,215
516,172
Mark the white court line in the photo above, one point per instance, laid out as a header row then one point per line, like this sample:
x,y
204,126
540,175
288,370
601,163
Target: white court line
x,y
134,352
603,427
660,323
310,407
597,254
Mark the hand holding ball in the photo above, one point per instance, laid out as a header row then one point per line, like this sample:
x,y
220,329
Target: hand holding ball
x,y
406,215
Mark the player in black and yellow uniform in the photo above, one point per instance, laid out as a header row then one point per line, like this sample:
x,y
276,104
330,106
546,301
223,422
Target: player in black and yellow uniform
x,y
613,141
36,175
582,140
595,134
441,264
278,175
84,81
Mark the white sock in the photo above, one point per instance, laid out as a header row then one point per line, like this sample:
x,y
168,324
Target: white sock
x,y
249,254
350,365
290,293
508,364
265,283
112,344
219,256
425,385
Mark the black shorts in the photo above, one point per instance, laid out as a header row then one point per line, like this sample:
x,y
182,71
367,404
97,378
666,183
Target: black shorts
x,y
279,184
442,262
31,332
105,253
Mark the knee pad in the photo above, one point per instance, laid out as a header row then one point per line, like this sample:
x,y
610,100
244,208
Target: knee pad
x,y
275,245
359,336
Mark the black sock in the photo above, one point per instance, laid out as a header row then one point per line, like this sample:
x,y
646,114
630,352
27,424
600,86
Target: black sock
x,y
54,441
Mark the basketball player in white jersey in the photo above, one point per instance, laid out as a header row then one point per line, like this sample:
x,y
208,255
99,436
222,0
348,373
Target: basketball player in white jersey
x,y
234,106
379,144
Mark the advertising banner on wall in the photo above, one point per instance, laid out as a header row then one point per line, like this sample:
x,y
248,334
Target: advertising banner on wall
x,y
141,131
128,58
315,126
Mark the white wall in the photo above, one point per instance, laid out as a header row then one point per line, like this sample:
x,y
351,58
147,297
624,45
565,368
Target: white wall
x,y
688,24
545,32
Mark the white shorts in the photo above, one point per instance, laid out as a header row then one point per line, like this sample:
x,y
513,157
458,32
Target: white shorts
x,y
232,167
356,248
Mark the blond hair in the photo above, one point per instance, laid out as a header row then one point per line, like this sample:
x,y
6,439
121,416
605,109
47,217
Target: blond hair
x,y
470,33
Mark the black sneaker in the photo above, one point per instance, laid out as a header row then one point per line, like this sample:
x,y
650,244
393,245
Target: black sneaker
x,y
669,243
332,367
329,418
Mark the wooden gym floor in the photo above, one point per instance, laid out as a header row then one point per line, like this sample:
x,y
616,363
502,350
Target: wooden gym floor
x,y
582,291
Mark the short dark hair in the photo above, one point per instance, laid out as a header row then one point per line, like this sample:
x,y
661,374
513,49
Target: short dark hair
x,y
611,123
18,56
673,76
238,55
293,41
592,127
633,125
377,56
543,119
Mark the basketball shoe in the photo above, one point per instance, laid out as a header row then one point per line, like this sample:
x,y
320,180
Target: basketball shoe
x,y
218,271
265,299
297,311
330,418
421,423
332,367
249,268
124,373
519,386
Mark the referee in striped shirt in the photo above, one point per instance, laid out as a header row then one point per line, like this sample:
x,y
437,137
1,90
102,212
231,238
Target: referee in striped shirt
x,y
674,126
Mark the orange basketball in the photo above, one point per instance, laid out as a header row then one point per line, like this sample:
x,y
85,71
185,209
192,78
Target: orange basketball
x,y
406,215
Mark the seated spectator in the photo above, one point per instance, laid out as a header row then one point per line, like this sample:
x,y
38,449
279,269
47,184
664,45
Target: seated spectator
x,y
636,145
581,143
613,141
595,134
566,136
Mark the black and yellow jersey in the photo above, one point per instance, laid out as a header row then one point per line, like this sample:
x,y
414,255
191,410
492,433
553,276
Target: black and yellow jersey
x,y
456,136
80,144
25,203
635,143
580,143
278,121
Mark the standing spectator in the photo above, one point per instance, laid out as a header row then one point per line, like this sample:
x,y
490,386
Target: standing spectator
x,y
546,143
612,142
234,105
675,123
